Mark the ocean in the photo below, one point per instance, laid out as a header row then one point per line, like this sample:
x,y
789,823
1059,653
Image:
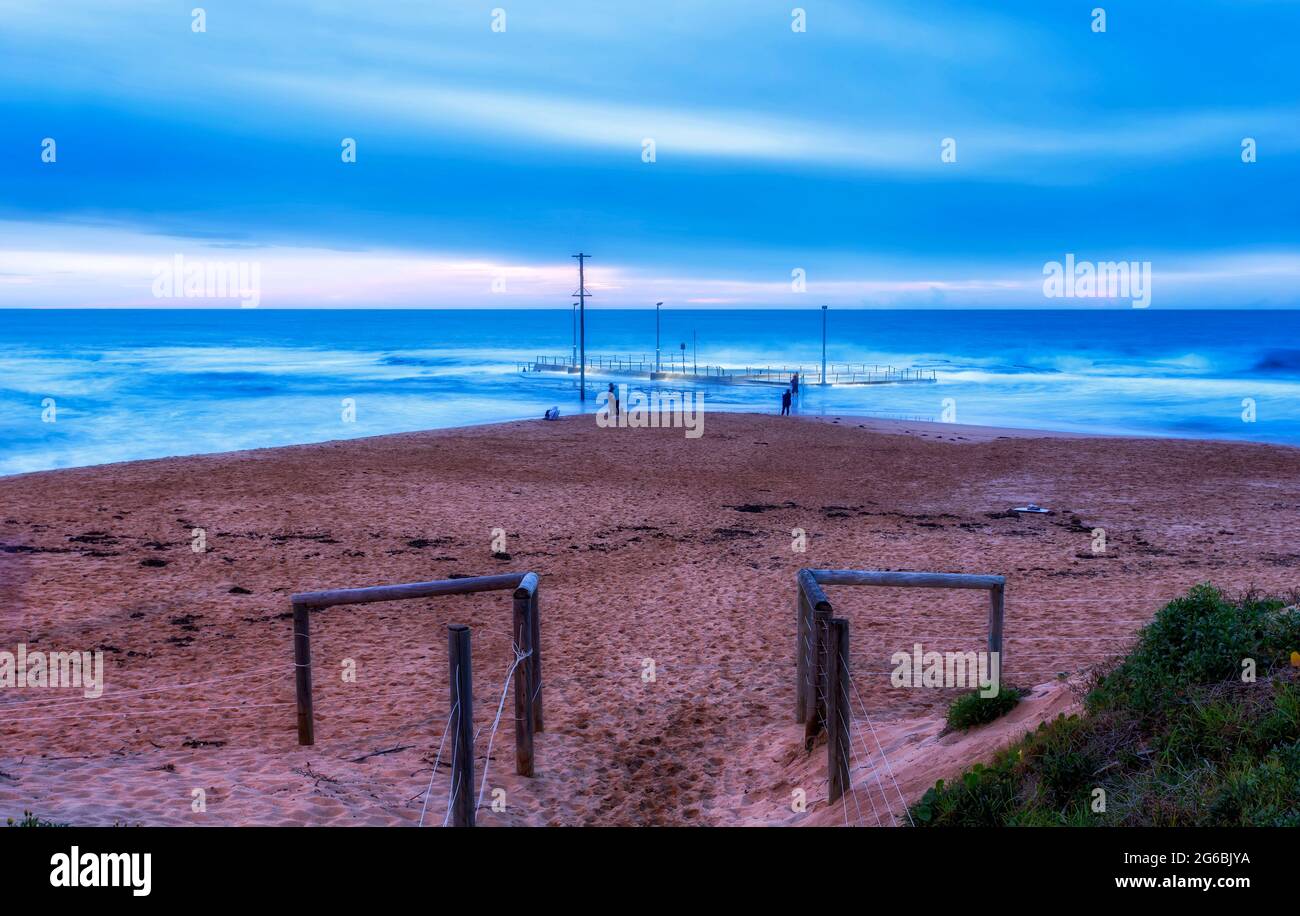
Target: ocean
x,y
84,387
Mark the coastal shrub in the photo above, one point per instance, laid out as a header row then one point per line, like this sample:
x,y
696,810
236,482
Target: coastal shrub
x,y
1171,735
1063,759
30,820
971,709
980,797
1200,638
1259,794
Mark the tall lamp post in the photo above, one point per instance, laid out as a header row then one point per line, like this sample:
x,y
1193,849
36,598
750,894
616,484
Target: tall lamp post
x,y
657,305
823,345
582,295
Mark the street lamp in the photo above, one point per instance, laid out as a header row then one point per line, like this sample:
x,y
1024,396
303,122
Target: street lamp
x,y
823,345
657,304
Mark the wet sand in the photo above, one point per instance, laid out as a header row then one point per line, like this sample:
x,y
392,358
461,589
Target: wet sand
x,y
650,545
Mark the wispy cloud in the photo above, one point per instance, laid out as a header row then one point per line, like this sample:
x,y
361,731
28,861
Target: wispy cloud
x,y
483,152
744,135
116,268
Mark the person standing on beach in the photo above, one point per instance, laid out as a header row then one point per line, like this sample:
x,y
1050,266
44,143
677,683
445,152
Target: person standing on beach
x,y
794,384
613,399
785,403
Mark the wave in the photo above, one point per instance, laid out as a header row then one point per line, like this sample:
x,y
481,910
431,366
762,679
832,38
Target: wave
x,y
1278,362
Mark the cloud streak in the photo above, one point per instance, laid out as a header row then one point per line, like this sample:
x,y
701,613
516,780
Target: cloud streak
x,y
485,153
1004,148
116,268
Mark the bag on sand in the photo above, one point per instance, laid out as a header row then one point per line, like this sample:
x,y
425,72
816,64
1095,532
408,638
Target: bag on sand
x,y
552,414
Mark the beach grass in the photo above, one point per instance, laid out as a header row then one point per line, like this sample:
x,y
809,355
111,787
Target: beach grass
x,y
971,709
1199,725
31,820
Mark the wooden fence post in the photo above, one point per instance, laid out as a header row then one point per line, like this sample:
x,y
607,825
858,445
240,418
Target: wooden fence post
x,y
523,638
995,624
813,603
818,615
302,672
801,645
821,636
535,669
839,719
462,725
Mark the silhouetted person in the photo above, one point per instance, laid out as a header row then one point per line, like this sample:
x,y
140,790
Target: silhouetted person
x,y
613,399
794,384
785,403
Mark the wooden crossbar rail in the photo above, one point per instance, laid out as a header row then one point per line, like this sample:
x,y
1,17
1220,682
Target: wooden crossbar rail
x,y
414,590
994,585
903,579
526,638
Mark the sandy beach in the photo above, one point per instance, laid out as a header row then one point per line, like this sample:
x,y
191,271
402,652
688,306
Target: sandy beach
x,y
649,545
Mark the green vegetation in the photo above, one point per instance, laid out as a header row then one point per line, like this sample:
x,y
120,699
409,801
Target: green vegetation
x,y
1171,734
31,820
971,709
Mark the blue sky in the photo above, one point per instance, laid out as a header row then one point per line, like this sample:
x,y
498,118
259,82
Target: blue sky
x,y
485,158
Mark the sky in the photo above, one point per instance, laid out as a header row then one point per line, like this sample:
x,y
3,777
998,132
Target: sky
x,y
495,140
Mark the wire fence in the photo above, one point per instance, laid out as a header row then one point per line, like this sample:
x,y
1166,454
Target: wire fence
x,y
33,710
873,774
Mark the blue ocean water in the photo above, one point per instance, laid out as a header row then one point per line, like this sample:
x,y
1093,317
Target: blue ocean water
x,y
130,384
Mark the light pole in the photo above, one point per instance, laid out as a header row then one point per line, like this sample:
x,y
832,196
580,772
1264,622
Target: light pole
x,y
582,295
823,345
657,304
